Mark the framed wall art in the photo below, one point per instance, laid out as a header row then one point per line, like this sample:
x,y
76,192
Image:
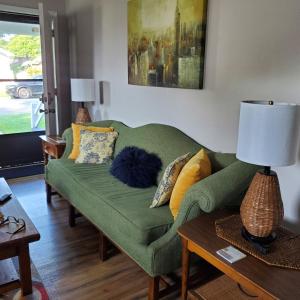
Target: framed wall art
x,y
166,43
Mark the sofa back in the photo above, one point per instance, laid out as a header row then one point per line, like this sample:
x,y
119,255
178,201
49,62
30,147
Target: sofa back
x,y
166,141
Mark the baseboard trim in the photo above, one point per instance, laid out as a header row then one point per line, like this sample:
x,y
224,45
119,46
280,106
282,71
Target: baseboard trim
x,y
22,171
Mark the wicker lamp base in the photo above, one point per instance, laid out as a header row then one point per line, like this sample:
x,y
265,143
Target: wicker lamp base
x,y
262,208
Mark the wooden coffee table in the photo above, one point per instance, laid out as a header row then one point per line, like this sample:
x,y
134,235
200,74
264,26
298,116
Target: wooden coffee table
x,y
267,282
18,244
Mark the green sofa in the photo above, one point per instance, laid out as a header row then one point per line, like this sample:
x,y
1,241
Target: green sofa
x,y
121,213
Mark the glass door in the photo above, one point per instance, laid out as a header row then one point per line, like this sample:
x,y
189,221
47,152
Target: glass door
x,y
55,58
22,117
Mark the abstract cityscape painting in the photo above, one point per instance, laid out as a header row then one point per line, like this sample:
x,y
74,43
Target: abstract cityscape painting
x,y
166,43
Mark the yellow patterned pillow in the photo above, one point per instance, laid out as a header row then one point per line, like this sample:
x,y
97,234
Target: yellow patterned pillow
x,y
76,136
166,185
96,147
197,168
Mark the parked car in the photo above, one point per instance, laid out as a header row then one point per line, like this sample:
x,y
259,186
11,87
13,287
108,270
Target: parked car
x,y
25,89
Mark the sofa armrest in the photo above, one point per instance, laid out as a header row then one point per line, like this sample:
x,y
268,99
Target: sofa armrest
x,y
67,136
226,187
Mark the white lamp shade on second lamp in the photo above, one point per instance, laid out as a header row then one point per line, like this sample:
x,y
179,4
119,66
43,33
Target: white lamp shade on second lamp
x,y
267,133
82,90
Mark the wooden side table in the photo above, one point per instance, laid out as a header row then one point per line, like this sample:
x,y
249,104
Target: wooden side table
x,y
267,282
52,146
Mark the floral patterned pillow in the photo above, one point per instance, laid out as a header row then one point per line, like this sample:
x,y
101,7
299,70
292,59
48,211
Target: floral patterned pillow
x,y
167,183
96,147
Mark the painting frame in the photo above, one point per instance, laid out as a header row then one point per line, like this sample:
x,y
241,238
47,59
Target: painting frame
x,y
166,43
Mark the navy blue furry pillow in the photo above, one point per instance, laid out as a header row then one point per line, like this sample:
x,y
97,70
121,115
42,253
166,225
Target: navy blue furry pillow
x,y
136,167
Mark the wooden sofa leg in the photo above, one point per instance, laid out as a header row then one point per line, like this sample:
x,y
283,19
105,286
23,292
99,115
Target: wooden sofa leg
x,y
103,246
72,221
48,192
153,290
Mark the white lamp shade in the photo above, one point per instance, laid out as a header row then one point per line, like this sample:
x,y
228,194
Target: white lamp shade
x,y
267,133
82,90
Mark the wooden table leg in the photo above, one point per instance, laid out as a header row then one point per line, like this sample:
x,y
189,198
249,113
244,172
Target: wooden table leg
x,y
48,192
25,269
72,215
47,186
103,246
46,157
153,289
185,268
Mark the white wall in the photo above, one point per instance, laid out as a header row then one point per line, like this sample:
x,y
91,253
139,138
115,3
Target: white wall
x,y
253,52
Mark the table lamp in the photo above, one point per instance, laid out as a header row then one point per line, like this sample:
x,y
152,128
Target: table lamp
x,y
267,137
82,90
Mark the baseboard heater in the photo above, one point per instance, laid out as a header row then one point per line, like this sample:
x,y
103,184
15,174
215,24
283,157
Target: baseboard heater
x,y
22,170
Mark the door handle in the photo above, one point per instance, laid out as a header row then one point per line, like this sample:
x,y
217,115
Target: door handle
x,y
43,99
47,111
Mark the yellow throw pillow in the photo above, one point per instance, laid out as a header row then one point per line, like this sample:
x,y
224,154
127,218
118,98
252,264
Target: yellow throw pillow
x,y
197,168
76,136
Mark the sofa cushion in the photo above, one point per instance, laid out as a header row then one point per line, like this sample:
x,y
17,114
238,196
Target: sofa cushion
x,y
105,200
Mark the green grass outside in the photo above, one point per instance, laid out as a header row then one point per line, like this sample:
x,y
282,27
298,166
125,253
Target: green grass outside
x,y
3,94
18,123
